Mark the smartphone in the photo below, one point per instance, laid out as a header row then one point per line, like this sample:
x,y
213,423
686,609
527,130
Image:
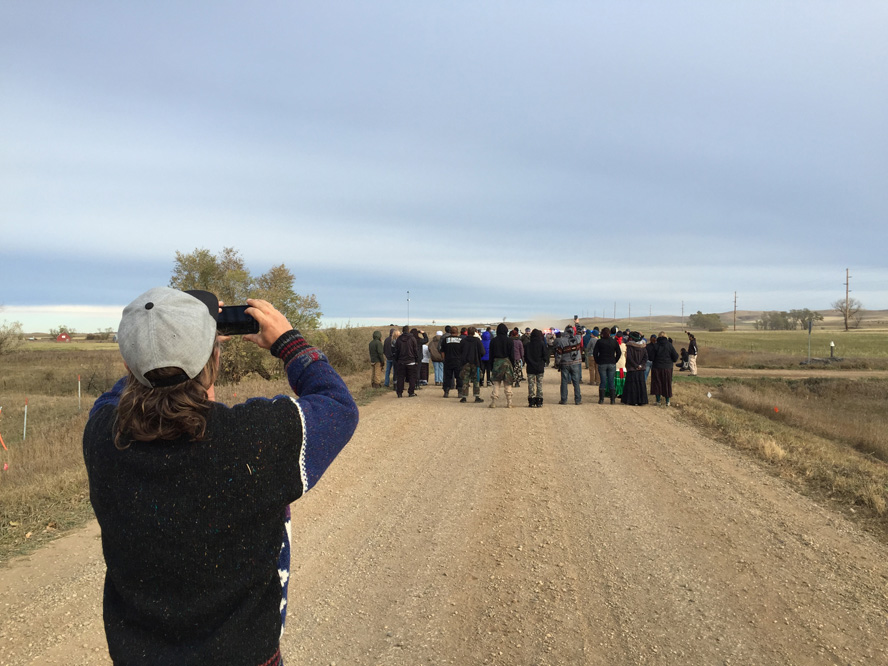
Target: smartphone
x,y
234,320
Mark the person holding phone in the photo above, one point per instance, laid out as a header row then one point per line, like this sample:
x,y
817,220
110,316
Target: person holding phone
x,y
192,496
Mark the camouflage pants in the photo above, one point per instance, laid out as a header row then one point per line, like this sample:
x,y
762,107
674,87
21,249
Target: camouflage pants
x,y
469,375
534,386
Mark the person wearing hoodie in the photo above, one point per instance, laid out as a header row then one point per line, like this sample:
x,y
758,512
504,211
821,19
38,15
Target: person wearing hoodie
x,y
486,363
606,353
502,352
537,353
635,389
661,368
437,357
377,359
450,350
470,352
407,357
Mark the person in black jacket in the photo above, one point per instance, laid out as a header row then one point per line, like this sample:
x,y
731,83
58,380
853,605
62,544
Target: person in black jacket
x,y
635,389
471,351
502,351
661,368
606,353
407,358
536,352
450,349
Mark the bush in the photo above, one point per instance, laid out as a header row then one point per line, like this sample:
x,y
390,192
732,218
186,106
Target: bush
x,y
346,347
710,322
10,337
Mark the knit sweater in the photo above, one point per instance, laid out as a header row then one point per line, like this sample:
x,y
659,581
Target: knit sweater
x,y
195,534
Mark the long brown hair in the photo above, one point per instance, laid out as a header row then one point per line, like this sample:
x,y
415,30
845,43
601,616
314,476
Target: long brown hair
x,y
145,414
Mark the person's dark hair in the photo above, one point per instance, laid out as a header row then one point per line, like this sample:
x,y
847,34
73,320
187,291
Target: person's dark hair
x,y
472,330
536,334
405,329
605,333
502,329
513,333
447,330
146,414
463,331
414,332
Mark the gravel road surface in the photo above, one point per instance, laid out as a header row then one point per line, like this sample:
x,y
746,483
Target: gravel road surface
x,y
450,533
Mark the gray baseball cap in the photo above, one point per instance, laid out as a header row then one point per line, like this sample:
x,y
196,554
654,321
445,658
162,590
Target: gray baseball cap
x,y
168,328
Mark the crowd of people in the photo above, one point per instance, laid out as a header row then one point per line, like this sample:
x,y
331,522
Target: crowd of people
x,y
619,362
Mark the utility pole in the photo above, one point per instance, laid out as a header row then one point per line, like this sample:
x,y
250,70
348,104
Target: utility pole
x,y
735,310
408,307
847,299
682,314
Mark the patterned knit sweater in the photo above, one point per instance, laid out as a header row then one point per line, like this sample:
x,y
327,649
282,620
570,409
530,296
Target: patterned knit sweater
x,y
195,534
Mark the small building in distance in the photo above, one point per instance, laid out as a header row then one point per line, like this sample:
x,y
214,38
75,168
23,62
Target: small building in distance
x,y
63,337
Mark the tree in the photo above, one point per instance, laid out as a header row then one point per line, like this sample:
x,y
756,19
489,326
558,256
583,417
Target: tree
x,y
227,276
787,321
56,332
11,337
849,310
708,322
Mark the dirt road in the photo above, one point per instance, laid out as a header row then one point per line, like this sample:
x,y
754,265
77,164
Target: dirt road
x,y
451,533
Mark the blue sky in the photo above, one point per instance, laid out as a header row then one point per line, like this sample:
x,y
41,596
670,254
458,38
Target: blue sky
x,y
496,159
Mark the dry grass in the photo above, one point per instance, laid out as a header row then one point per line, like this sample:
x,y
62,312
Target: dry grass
x,y
846,411
819,448
45,490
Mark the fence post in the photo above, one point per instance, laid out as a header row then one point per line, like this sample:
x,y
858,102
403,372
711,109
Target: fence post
x,y
78,393
25,426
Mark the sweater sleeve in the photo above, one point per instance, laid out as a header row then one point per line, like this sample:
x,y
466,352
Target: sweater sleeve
x,y
328,412
111,397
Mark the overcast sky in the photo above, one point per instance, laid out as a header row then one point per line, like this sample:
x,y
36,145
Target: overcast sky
x,y
496,159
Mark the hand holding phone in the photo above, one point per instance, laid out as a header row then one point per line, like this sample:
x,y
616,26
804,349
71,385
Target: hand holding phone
x,y
272,324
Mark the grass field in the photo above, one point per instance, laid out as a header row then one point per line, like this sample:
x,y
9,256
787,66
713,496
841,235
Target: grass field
x,y
851,344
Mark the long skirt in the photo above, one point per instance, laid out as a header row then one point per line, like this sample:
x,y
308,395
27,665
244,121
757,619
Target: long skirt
x,y
635,389
661,381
